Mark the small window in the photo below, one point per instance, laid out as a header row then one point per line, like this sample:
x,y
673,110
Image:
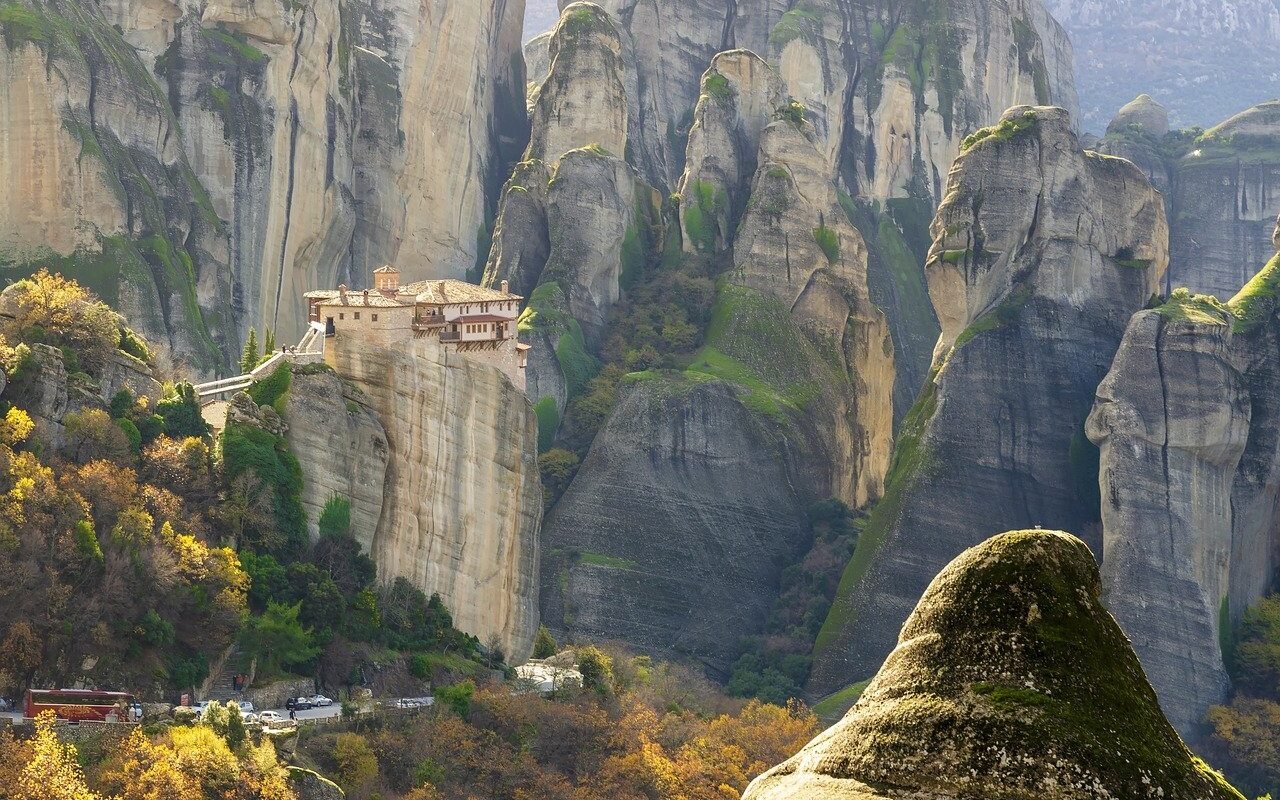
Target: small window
x,y
357,315
375,317
342,316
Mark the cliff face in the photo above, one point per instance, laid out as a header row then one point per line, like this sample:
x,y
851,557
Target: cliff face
x,y
1225,203
1041,254
201,165
437,456
1218,189
1009,680
1185,423
804,184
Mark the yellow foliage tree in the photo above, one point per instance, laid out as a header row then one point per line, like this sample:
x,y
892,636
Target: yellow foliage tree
x,y
52,772
142,770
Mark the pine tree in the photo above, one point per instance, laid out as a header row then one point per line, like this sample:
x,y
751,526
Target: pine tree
x,y
544,644
269,344
250,358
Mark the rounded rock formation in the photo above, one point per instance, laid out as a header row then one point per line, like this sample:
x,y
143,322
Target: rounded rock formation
x,y
1144,112
1010,680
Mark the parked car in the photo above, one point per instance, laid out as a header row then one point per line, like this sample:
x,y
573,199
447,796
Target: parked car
x,y
268,717
246,707
249,718
320,701
5,705
299,704
200,707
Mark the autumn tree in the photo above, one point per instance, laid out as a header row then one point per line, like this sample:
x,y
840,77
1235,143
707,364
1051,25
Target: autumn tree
x,y
52,773
356,762
49,307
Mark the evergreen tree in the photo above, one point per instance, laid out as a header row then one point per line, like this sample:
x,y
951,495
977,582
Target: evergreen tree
x,y
249,359
544,644
268,344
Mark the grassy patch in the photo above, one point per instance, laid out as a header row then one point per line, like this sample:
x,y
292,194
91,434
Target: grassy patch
x,y
1012,696
804,20
598,560
548,422
717,87
1005,131
954,256
238,45
829,241
1257,300
752,342
702,208
1200,309
834,706
547,311
1005,313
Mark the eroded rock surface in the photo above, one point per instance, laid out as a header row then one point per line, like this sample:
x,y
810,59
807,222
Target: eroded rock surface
x,y
462,501
1009,680
1041,253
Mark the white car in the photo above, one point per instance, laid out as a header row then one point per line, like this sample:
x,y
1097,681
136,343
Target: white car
x,y
321,701
246,707
268,717
200,707
249,718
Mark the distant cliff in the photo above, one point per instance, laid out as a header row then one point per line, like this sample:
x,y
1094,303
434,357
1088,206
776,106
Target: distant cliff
x,y
436,455
725,206
1204,59
1042,251
201,165
1218,187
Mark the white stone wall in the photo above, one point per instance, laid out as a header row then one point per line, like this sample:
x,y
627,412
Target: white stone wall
x,y
381,326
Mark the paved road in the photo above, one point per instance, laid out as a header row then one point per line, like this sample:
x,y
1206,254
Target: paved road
x,y
334,710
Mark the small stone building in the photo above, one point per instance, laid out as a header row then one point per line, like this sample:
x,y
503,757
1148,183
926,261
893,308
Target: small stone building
x,y
475,322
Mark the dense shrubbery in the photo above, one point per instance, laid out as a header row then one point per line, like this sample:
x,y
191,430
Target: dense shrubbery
x,y
1246,733
775,666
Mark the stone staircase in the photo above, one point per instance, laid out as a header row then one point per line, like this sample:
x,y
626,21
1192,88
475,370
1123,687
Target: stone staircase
x,y
309,351
220,685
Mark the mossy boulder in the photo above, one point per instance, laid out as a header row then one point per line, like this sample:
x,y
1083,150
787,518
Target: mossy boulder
x,y
1010,681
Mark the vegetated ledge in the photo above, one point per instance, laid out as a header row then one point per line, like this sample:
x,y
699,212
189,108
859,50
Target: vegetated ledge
x,y
1004,131
1198,309
1253,304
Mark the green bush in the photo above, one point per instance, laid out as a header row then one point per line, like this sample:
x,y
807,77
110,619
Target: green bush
x,y
269,390
544,644
335,517
829,241
457,697
131,433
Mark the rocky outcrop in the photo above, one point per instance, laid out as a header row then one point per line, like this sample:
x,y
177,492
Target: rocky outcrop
x,y
202,164
340,439
583,101
1142,113
902,122
1185,425
1224,203
45,388
1009,680
1172,421
1041,254
1204,59
462,502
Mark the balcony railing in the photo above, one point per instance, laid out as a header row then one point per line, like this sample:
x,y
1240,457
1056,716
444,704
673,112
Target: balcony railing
x,y
450,336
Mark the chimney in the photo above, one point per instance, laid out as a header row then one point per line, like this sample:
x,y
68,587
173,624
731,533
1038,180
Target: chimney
x,y
342,293
506,287
366,297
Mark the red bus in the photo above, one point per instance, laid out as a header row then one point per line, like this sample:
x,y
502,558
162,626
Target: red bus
x,y
79,704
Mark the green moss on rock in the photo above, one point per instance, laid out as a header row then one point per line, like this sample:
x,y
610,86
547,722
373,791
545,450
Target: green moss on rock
x,y
1005,130
1256,302
1010,681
